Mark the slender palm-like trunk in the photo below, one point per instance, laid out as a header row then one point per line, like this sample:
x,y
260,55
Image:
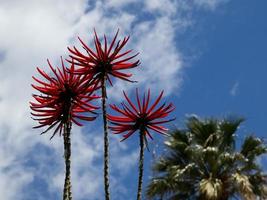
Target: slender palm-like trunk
x,y
67,154
141,165
106,140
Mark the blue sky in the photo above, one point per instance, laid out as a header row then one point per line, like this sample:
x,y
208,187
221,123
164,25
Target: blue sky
x,y
208,56
229,76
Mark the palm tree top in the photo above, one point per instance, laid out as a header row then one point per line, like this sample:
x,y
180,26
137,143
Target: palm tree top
x,y
203,161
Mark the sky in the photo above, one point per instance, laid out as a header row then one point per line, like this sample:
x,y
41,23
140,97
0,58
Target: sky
x,y
209,56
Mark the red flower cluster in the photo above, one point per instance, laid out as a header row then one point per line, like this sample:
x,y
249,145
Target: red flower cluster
x,y
141,117
64,96
105,61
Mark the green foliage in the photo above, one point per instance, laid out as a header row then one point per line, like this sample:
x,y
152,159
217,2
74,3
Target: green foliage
x,y
203,163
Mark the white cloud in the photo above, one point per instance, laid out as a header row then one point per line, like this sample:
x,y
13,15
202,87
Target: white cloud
x,y
161,62
167,7
235,88
11,180
209,4
32,31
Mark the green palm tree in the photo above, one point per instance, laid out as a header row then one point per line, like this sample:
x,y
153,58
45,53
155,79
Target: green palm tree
x,y
203,162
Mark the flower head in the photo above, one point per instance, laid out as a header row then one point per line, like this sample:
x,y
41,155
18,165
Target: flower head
x,y
64,96
105,61
143,117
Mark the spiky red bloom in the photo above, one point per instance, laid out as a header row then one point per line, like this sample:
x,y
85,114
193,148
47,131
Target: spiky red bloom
x,y
141,117
105,61
63,96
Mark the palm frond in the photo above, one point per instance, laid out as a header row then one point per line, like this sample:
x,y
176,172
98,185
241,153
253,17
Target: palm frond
x,y
228,128
211,189
253,147
244,186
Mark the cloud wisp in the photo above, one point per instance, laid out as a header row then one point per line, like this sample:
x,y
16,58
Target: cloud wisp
x,y
235,88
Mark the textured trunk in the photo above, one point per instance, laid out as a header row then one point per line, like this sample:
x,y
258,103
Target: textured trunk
x,y
67,155
141,165
106,140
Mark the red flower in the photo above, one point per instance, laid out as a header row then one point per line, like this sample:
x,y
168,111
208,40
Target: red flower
x,y
105,61
141,117
63,97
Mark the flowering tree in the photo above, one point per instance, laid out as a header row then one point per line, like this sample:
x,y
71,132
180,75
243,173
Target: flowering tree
x,y
66,94
64,99
100,65
142,118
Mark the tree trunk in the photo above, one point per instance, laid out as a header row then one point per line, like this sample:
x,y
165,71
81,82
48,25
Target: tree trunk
x,y
141,165
67,154
106,140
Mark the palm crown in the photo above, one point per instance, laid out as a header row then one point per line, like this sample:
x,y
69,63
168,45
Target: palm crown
x,y
203,163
